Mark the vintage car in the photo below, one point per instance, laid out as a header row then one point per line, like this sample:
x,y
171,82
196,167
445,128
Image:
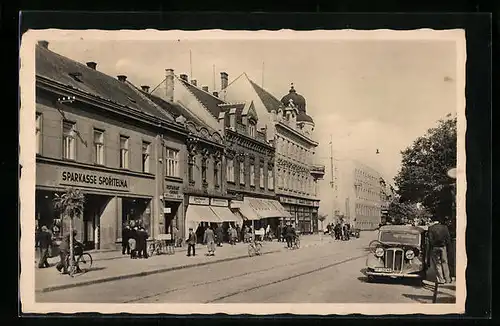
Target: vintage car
x,y
399,252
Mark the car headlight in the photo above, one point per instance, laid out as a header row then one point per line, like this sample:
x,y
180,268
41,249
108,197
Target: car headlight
x,y
379,252
409,254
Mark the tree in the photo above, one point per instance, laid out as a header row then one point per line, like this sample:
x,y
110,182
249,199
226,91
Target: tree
x,y
321,218
70,204
423,176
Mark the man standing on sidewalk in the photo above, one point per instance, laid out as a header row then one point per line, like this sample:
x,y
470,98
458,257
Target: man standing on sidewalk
x,y
45,241
220,233
439,241
191,242
64,252
209,239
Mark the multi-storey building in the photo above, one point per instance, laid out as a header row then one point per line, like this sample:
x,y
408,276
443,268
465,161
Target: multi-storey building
x,y
99,134
358,194
290,129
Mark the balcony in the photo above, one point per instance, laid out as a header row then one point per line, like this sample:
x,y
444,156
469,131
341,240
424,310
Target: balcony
x,y
318,171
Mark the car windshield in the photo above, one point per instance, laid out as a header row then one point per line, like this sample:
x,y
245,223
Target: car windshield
x,y
400,237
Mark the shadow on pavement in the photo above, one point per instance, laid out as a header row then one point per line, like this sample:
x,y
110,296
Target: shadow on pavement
x,y
93,269
441,298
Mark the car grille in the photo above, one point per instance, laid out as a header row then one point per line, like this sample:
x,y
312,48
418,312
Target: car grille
x,y
394,259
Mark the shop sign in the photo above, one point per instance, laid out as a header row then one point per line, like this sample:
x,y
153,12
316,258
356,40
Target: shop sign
x,y
288,200
93,180
304,202
172,192
167,210
236,203
219,202
199,200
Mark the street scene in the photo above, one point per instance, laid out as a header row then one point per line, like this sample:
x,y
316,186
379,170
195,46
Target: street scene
x,y
187,171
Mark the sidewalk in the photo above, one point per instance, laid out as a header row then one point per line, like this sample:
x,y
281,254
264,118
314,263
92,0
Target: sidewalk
x,y
112,265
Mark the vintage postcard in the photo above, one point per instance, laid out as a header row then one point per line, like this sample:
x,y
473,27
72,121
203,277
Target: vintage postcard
x,y
257,172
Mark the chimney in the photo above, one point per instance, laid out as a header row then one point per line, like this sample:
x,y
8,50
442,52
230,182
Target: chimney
x,y
91,65
223,80
44,44
216,94
169,81
205,88
184,77
194,82
145,88
122,78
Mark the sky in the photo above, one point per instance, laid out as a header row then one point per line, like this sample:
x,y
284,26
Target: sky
x,y
364,94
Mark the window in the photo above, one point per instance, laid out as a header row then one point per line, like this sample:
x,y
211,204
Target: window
x,y
69,132
38,132
145,156
98,146
261,177
251,129
172,163
216,173
252,175
204,170
270,178
230,170
124,152
242,173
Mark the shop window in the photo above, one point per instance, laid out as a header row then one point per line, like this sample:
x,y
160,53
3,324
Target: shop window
x,y
261,177
99,146
38,132
146,146
242,173
270,178
124,140
172,163
230,170
69,148
252,175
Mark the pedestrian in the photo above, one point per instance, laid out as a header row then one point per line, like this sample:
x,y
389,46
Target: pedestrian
x,y
230,235
209,240
278,233
289,233
64,252
132,242
191,242
439,242
237,229
234,236
142,239
44,240
125,237
219,232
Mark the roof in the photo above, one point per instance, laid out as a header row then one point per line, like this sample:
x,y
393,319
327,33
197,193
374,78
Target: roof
x,y
175,110
270,102
207,99
405,228
58,68
304,117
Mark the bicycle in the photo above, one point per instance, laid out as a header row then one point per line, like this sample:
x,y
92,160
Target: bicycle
x,y
156,247
82,263
296,242
254,248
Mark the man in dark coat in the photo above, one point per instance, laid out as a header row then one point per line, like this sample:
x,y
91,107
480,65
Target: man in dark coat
x,y
191,242
219,233
125,237
64,252
142,239
440,243
289,234
44,240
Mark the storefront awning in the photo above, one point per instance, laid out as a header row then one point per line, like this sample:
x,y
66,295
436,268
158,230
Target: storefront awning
x,y
225,214
248,212
277,206
265,208
201,213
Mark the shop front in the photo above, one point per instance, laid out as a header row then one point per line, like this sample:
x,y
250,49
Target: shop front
x,y
260,212
111,199
173,214
303,213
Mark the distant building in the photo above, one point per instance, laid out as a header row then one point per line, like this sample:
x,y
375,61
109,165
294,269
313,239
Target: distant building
x,y
290,129
359,190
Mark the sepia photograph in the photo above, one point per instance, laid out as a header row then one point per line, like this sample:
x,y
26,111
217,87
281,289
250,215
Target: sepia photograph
x,y
243,172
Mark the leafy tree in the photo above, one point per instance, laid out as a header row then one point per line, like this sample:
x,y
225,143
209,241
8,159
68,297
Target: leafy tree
x,y
70,204
423,177
321,218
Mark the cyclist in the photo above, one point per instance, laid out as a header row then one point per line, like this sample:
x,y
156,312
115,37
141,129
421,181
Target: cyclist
x,y
64,251
289,235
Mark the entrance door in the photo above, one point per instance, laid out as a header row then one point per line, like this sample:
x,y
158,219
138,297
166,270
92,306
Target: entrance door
x,y
92,211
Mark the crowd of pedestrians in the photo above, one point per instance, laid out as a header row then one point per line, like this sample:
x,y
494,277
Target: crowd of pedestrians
x,y
134,240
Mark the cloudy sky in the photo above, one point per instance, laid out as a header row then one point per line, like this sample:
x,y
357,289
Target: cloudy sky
x,y
367,95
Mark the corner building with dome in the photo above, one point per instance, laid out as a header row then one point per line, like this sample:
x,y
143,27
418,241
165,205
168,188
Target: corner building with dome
x,y
291,131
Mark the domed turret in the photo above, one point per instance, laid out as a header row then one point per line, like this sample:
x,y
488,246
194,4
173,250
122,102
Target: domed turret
x,y
298,100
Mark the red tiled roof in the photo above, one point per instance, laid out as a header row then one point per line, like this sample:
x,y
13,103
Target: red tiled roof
x,y
270,102
58,68
208,100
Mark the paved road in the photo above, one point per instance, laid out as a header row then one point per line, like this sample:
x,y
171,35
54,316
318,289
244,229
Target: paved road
x,y
330,273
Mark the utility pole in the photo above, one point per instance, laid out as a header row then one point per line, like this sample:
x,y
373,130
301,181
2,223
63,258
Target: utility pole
x,y
332,182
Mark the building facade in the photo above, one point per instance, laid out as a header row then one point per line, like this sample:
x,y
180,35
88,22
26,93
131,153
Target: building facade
x,y
358,194
290,130
96,133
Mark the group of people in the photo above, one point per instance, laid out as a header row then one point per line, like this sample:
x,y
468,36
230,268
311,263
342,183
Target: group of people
x,y
340,230
289,234
134,240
